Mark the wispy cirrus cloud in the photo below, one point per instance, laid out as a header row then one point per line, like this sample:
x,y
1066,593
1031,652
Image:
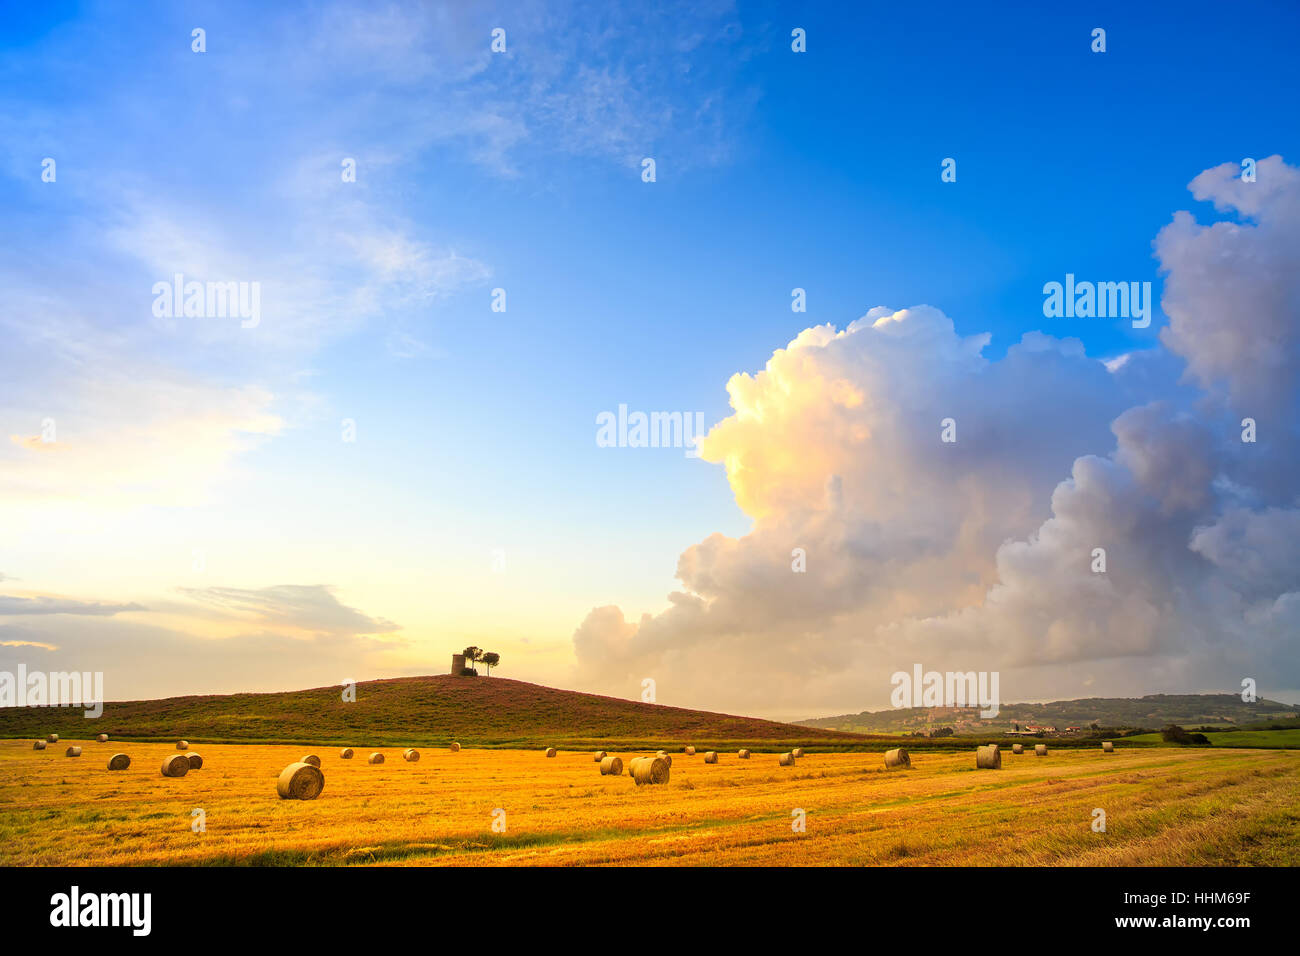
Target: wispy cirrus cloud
x,y
306,607
21,606
16,637
142,660
586,79
274,638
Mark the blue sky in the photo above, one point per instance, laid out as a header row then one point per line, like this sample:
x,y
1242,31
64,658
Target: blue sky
x,y
522,170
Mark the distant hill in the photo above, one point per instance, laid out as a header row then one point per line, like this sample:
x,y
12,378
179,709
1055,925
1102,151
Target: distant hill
x,y
476,711
1153,712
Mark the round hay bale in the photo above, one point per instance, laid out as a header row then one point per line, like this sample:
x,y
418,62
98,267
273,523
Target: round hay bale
x,y
196,761
311,759
52,738
376,758
1040,750
798,752
455,747
73,752
1017,748
787,760
743,754
177,765
182,745
650,770
600,755
38,745
102,738
551,752
1107,747
711,756
345,753
300,781
119,762
611,766
897,758
411,756
689,751
664,755
988,758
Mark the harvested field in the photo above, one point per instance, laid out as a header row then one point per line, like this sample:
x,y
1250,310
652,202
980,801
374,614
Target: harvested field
x,y
1202,806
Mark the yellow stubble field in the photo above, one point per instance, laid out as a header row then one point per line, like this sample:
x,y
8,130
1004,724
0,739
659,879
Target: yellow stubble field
x,y
1162,807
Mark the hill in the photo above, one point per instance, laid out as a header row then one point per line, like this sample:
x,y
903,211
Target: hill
x,y
1153,711
421,711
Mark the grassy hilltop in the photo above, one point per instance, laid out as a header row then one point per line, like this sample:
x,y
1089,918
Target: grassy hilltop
x,y
476,711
